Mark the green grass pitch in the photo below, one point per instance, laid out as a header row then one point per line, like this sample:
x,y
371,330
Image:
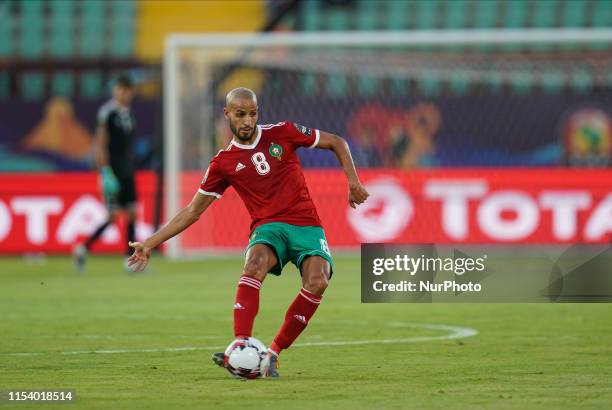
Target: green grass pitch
x,y
154,334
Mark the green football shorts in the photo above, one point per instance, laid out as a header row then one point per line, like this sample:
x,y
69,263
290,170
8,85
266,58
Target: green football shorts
x,y
292,243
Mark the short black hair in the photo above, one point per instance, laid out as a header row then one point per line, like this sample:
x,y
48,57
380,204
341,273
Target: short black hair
x,y
125,81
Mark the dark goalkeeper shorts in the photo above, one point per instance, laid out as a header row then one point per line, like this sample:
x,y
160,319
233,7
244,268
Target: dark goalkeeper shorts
x,y
292,243
125,198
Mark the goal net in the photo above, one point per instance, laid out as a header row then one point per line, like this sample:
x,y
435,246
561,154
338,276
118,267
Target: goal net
x,y
407,102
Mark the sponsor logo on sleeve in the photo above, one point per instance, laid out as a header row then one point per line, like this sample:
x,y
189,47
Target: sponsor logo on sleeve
x,y
304,130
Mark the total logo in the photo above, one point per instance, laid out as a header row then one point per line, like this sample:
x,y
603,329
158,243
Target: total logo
x,y
460,209
385,214
53,219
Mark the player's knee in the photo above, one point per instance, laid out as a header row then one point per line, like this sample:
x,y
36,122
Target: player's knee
x,y
315,274
260,259
255,267
316,282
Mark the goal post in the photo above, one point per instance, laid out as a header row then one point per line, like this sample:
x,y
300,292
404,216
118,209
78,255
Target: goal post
x,y
349,68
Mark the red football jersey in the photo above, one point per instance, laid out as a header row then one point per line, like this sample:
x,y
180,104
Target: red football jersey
x,y
267,175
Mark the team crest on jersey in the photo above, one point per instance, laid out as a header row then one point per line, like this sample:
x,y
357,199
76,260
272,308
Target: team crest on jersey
x,y
304,130
276,151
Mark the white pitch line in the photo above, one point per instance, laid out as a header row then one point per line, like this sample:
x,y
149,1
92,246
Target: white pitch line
x,y
169,349
140,336
126,317
455,332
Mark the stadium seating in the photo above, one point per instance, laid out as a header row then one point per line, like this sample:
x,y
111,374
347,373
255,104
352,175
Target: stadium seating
x,y
62,84
6,32
552,82
601,15
91,85
32,85
30,27
460,14
62,30
98,29
454,14
485,13
99,25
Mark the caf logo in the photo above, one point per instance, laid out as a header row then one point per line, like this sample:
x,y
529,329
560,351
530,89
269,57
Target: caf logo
x,y
588,138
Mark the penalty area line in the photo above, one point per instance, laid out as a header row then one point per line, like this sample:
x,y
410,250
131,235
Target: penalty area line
x,y
454,332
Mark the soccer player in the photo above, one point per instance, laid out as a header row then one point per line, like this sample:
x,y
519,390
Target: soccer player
x,y
113,144
262,165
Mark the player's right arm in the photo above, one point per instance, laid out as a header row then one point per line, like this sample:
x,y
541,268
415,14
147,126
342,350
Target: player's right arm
x,y
212,186
181,221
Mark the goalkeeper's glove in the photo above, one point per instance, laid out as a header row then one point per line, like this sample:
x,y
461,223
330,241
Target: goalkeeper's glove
x,y
110,184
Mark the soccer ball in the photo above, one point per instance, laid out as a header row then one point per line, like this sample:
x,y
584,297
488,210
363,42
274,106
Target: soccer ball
x,y
243,358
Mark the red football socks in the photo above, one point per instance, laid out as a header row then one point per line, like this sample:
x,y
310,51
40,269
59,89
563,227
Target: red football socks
x,y
246,306
296,319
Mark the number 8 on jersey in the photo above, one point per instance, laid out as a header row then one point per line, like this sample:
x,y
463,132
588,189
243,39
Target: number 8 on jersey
x,y
261,165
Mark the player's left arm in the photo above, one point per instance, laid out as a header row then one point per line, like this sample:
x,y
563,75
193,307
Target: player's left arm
x,y
357,193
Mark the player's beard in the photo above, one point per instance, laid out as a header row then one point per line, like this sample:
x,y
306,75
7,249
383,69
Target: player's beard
x,y
236,133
